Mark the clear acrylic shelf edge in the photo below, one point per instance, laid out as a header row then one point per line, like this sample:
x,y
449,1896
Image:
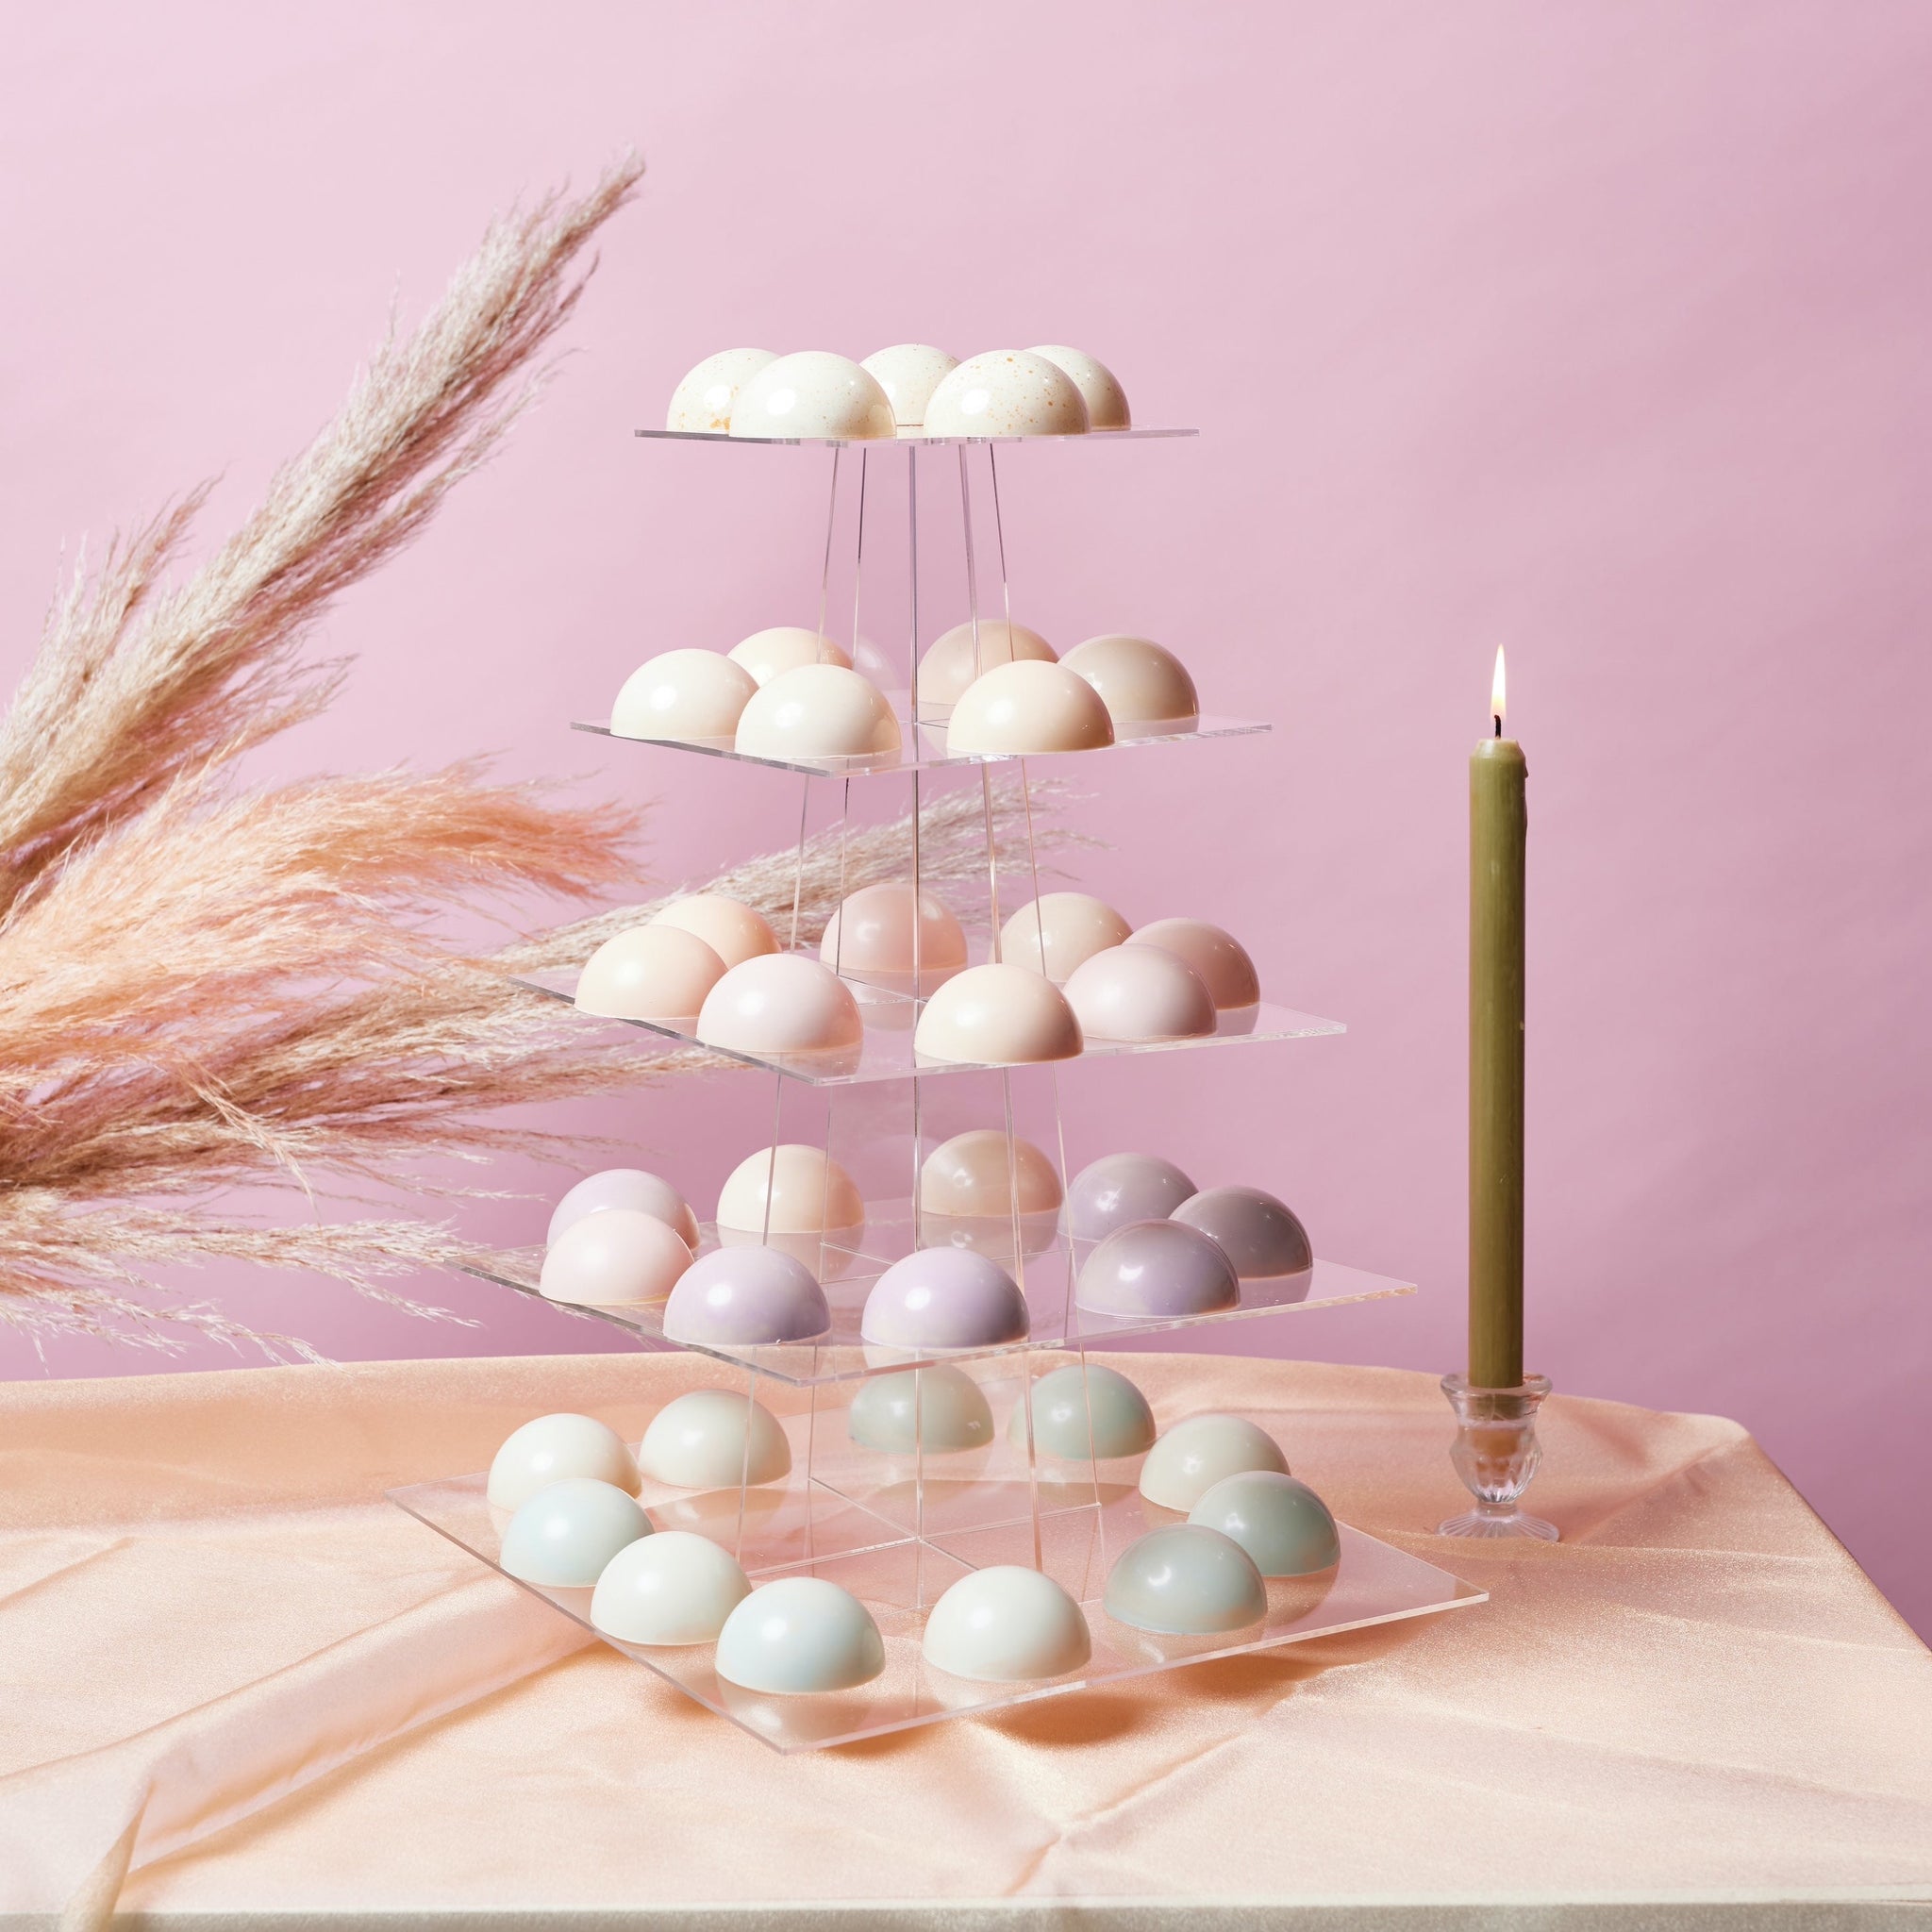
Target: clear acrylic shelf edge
x,y
1046,1271
931,755
885,1052
915,440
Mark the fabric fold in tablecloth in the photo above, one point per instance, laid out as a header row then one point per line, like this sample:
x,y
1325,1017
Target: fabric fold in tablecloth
x,y
206,1609
166,1788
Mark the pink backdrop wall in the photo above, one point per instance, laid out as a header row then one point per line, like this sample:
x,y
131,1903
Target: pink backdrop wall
x,y
1599,331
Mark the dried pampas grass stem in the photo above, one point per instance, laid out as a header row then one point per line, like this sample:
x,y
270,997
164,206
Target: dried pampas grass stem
x,y
204,987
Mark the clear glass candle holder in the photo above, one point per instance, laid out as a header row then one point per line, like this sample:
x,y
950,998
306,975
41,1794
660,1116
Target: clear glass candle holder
x,y
1496,1453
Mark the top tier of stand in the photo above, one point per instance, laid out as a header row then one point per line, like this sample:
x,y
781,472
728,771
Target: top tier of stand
x,y
913,440
923,746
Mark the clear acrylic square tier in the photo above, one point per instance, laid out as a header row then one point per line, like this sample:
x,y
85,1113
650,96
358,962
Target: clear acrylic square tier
x,y
895,1510
897,1530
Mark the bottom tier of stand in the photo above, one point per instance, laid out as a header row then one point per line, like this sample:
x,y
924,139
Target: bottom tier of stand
x,y
898,1551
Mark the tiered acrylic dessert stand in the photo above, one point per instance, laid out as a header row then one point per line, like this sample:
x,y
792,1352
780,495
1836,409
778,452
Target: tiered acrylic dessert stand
x,y
897,1523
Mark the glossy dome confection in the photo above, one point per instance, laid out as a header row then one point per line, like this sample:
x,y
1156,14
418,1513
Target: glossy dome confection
x,y
1261,1236
1285,1527
1185,1581
563,1536
908,372
818,712
769,653
1139,682
550,1448
1131,994
791,1189
780,1003
714,1439
1005,1625
735,932
1026,708
1119,1188
1006,392
660,974
746,1297
800,1635
961,655
812,392
682,697
872,938
1195,1454
1086,1411
940,1410
1217,956
613,1259
1059,931
944,1298
1100,388
997,1015
624,1187
1157,1271
702,403
981,1174
671,1588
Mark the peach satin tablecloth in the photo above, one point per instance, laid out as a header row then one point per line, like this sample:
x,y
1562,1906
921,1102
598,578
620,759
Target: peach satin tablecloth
x,y
238,1689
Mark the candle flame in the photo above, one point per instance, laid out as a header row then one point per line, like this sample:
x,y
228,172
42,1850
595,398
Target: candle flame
x,y
1497,710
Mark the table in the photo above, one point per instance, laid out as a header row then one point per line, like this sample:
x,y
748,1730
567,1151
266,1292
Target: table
x,y
237,1689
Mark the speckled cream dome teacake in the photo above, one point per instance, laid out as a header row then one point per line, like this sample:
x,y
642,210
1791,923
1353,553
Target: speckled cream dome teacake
x,y
1006,392
813,393
908,372
702,403
1100,388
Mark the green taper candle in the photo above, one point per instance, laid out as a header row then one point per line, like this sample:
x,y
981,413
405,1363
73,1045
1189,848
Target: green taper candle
x,y
1498,824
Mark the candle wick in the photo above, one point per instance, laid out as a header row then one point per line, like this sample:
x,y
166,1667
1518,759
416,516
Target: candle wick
x,y
1499,723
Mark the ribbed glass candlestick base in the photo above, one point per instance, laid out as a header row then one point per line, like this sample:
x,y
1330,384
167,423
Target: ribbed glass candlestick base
x,y
1496,1453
